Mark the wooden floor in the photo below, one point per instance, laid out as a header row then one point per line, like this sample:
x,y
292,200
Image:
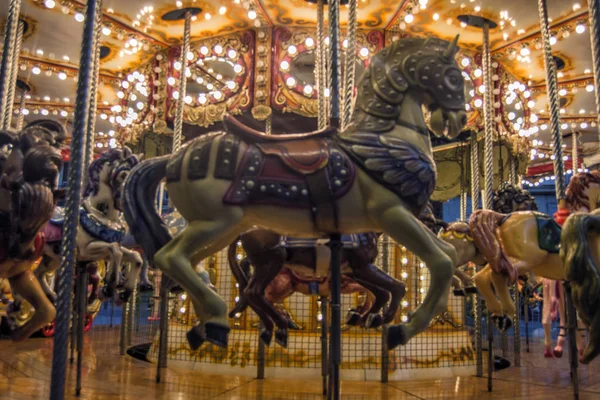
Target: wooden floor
x,y
25,374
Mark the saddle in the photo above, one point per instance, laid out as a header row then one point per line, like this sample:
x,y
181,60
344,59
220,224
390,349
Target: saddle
x,y
252,136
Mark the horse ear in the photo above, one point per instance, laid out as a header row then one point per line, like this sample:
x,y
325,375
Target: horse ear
x,y
126,152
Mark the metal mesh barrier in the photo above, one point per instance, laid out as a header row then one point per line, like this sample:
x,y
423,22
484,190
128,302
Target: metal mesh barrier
x,y
446,343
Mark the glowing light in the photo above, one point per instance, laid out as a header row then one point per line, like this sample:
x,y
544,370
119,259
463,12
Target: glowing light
x,y
436,16
308,90
478,103
562,92
232,53
62,76
580,28
478,72
553,40
409,18
231,85
217,95
525,52
207,16
589,88
36,70
292,50
284,65
310,42
79,17
222,10
237,68
140,105
218,49
465,61
364,52
290,81
252,14
106,31
204,50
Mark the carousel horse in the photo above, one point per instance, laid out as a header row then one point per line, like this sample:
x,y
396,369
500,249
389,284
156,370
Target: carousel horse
x,y
580,246
375,176
101,228
511,245
303,266
28,194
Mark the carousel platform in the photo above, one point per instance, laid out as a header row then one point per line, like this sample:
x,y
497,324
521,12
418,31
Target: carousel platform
x,y
25,374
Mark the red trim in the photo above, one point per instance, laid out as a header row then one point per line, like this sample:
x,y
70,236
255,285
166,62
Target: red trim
x,y
548,168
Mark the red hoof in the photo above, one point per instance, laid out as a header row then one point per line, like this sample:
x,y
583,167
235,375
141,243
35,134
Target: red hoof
x,y
88,323
48,330
548,352
558,352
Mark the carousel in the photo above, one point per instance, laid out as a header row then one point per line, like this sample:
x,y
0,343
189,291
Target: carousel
x,y
299,199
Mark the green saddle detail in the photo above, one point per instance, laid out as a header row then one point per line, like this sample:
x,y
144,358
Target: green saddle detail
x,y
548,233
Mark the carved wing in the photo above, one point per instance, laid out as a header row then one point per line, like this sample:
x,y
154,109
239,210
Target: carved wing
x,y
396,164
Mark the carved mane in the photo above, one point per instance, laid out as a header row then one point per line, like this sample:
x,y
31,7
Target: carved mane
x,y
577,196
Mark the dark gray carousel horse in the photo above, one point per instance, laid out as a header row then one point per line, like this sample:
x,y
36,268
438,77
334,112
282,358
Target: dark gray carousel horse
x,y
302,265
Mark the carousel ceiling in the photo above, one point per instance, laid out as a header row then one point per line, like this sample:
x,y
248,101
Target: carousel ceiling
x,y
231,56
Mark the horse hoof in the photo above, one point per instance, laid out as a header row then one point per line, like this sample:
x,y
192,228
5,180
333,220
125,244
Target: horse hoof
x,y
266,336
195,337
353,318
459,292
558,352
374,321
396,336
294,326
176,289
125,295
281,337
217,333
548,352
145,287
471,290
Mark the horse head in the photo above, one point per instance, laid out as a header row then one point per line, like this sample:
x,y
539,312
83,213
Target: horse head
x,y
458,234
510,198
424,69
109,172
583,192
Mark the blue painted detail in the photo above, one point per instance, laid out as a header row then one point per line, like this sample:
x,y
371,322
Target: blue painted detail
x,y
313,288
98,230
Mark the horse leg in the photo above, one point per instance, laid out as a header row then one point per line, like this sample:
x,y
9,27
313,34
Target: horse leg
x,y
376,298
94,280
200,239
30,289
50,263
280,288
145,285
373,276
135,266
483,282
440,259
98,250
265,271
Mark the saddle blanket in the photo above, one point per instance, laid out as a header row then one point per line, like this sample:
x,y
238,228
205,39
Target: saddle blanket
x,y
266,179
548,233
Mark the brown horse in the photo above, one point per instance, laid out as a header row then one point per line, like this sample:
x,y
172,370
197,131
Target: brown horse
x,y
28,195
298,269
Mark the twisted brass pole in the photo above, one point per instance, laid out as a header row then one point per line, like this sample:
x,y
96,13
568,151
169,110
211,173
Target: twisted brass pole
x,y
68,247
12,88
350,69
320,66
8,53
185,48
21,116
594,18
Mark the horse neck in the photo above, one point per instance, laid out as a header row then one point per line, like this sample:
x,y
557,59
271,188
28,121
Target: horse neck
x,y
412,113
103,202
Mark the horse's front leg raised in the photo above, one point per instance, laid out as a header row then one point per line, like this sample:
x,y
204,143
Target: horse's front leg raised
x,y
440,259
50,263
135,261
98,250
30,289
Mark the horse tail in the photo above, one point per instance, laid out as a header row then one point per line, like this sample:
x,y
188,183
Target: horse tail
x,y
240,271
145,224
483,225
581,271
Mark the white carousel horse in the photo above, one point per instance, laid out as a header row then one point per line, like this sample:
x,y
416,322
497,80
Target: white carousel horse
x,y
377,175
101,228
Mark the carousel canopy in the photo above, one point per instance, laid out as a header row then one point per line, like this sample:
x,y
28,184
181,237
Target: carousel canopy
x,y
256,58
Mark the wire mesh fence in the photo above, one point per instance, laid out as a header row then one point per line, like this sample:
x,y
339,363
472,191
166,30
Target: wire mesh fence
x,y
447,342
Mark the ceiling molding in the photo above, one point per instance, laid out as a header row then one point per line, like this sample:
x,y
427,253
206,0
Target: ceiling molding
x,y
537,33
397,15
56,65
570,81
